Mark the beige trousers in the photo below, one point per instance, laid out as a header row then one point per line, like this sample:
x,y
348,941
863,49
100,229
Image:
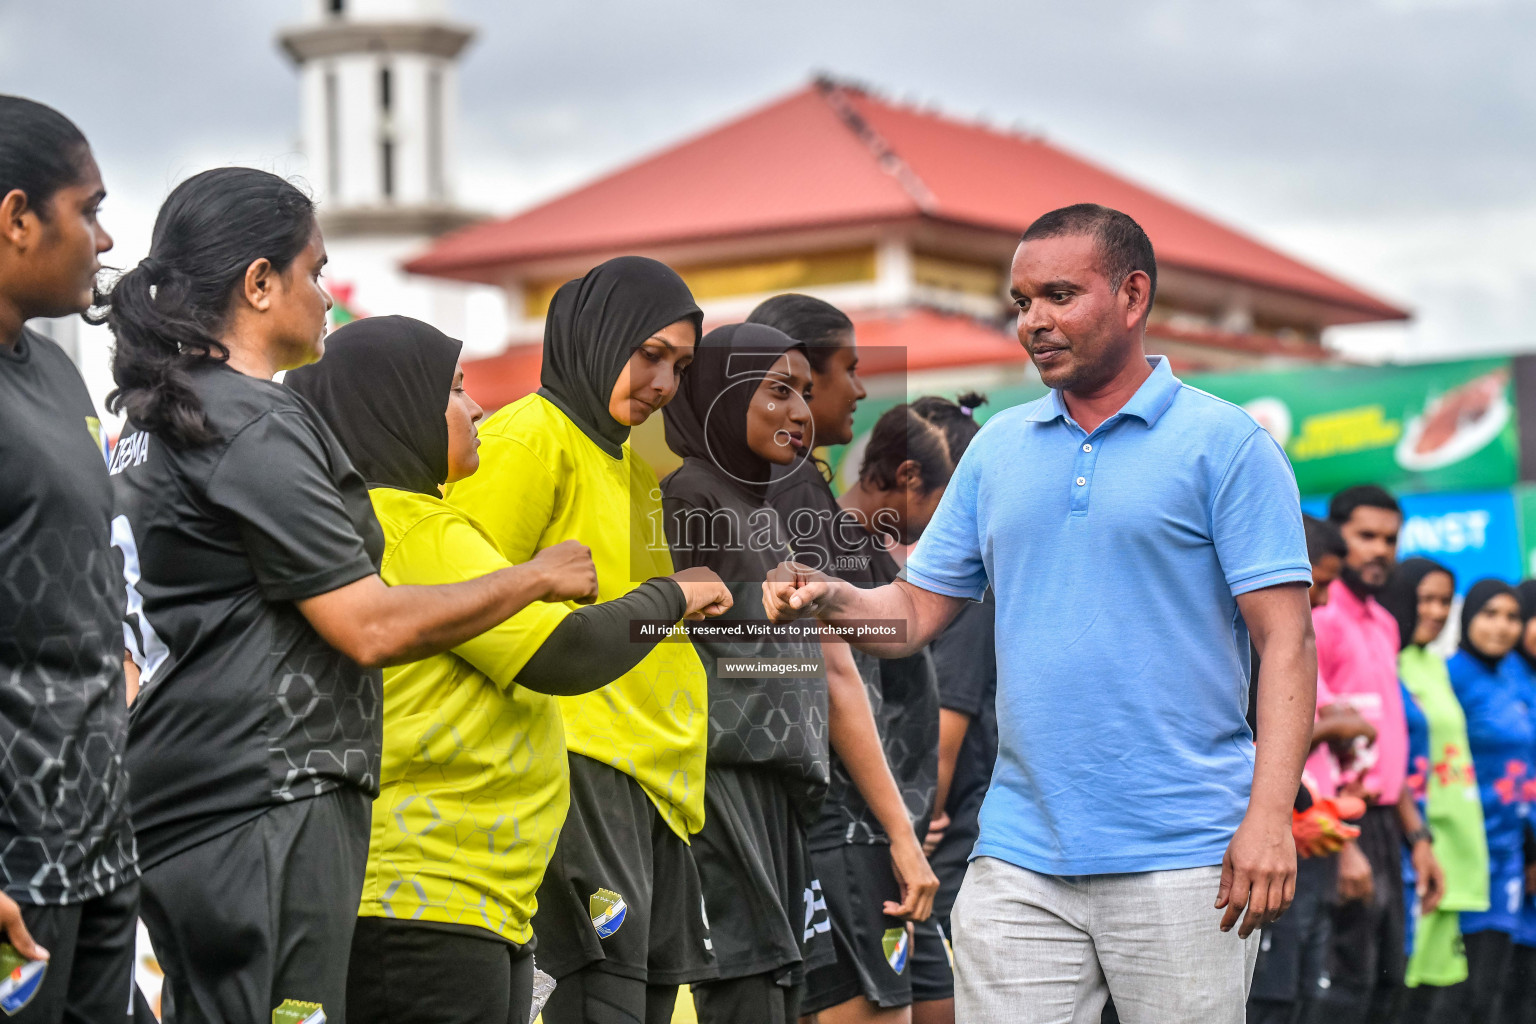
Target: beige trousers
x,y
1045,949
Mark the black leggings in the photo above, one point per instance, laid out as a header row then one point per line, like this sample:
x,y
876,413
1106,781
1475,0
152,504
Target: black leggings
x,y
1520,987
405,971
755,999
595,996
1476,1000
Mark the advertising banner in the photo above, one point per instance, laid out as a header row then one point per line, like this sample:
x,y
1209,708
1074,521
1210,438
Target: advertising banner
x,y
1426,427
1430,427
1525,512
1474,535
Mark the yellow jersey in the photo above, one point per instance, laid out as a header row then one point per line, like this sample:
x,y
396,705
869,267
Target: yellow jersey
x,y
542,481
475,782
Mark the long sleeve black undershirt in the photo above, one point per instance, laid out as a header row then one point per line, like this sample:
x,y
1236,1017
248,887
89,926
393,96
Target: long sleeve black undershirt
x,y
591,647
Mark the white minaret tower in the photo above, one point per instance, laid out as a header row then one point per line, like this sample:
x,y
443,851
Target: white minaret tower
x,y
379,106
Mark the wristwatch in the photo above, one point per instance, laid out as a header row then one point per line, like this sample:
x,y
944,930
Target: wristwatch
x,y
1418,835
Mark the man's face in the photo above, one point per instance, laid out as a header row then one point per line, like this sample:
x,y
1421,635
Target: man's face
x,y
1371,534
1075,324
1324,571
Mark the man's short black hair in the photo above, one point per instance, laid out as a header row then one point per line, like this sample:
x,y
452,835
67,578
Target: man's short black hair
x,y
1346,501
1123,246
1323,539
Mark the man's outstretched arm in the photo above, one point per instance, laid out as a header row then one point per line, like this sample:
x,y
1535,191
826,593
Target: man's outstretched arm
x,y
793,591
1259,870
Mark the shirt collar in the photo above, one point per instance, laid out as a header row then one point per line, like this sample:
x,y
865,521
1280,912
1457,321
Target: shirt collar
x,y
1148,404
1365,608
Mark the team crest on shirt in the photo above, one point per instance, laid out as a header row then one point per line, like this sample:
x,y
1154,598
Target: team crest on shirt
x,y
294,1011
896,943
20,980
607,909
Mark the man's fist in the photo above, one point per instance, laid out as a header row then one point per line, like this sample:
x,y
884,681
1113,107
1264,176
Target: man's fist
x,y
793,591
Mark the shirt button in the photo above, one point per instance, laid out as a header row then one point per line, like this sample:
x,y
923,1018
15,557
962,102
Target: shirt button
x,y
1087,447
1081,481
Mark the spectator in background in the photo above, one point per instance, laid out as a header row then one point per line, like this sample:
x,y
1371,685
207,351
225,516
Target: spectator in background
x,y
1440,775
1293,950
1520,989
1357,647
1492,693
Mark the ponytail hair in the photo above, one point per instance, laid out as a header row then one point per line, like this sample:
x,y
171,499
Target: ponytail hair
x,y
820,326
933,432
167,313
41,151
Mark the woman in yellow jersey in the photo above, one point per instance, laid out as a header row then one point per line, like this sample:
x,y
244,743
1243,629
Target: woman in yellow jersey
x,y
474,782
620,922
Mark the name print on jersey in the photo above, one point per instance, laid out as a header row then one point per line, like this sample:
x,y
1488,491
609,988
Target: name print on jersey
x,y
130,451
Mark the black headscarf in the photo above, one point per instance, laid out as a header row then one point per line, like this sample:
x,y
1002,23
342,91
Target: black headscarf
x,y
1526,592
383,389
595,323
1401,595
1481,593
708,418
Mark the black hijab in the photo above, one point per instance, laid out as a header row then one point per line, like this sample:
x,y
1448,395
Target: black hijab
x,y
1401,595
1526,592
383,389
595,323
708,418
1481,593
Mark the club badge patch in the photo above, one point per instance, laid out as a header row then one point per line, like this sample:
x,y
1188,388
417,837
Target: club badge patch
x,y
20,979
607,909
895,942
293,1011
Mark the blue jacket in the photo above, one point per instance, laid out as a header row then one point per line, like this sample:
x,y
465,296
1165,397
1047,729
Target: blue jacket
x,y
1497,703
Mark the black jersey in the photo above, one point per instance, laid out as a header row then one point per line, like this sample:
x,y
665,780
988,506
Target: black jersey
x,y
64,832
771,722
903,692
242,704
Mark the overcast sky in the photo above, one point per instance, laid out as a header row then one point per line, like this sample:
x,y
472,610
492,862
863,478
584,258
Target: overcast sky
x,y
1392,142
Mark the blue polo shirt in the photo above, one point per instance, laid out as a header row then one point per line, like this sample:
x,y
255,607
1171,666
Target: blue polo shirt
x,y
1116,559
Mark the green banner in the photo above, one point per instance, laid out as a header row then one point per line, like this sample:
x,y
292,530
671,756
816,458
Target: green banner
x,y
1525,513
1430,427
1427,427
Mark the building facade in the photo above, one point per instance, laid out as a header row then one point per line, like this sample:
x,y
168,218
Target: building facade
x,y
904,218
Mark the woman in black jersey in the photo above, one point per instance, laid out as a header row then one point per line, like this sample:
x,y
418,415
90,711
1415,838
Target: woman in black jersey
x,y
905,469
965,665
66,849
899,487
741,411
800,491
256,609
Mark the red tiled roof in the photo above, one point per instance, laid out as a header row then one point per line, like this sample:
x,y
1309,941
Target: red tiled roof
x,y
499,380
831,155
911,341
980,176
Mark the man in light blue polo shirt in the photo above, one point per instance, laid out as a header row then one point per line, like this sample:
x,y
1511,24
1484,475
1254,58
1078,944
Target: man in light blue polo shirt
x,y
1136,532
